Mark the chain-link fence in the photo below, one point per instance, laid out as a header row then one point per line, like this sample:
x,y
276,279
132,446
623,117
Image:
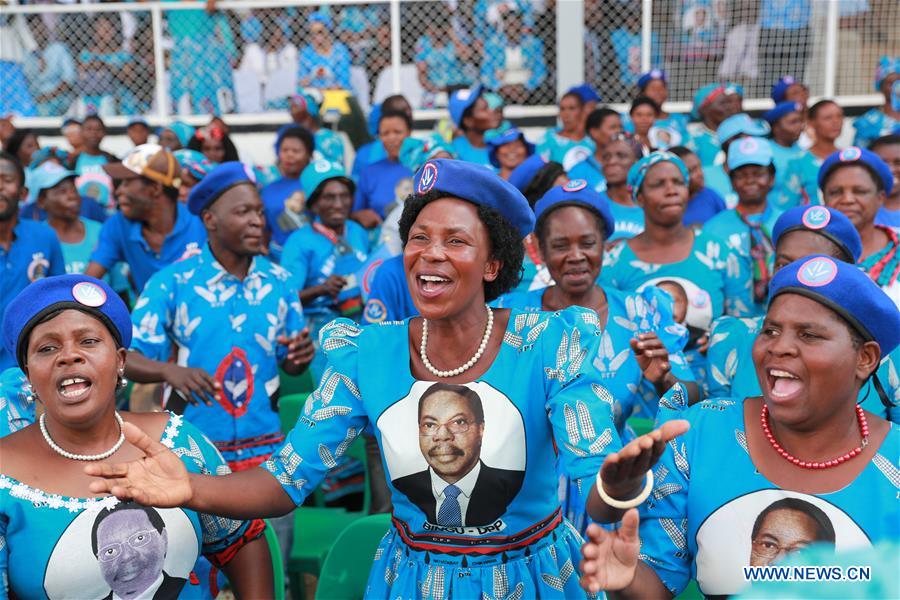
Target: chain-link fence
x,y
174,58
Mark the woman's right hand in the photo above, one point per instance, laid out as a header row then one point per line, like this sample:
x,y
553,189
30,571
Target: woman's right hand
x,y
624,472
158,479
610,558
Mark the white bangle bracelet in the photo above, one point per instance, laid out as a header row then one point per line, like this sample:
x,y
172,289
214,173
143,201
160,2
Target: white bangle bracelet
x,y
626,504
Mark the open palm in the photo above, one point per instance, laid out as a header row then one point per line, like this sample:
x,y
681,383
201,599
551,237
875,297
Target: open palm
x,y
158,479
610,557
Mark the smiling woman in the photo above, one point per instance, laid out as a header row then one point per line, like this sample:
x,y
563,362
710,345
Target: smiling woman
x,y
69,334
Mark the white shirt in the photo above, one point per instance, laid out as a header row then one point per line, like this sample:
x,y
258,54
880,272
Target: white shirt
x,y
465,485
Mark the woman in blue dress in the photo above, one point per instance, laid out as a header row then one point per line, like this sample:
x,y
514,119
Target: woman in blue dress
x,y
324,256
469,458
568,144
324,62
380,183
283,199
602,125
805,463
884,119
826,117
617,158
787,123
57,538
800,231
655,85
669,254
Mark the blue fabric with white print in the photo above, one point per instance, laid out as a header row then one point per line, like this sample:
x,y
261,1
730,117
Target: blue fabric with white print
x,y
211,320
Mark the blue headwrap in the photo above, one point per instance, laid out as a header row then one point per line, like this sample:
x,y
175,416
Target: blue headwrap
x,y
639,170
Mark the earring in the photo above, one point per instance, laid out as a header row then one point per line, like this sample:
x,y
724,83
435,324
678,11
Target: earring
x,y
121,383
30,394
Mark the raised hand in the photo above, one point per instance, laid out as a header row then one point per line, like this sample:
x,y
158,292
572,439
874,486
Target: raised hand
x,y
652,357
192,384
158,479
623,472
610,558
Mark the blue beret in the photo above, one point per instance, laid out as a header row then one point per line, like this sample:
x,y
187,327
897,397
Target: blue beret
x,y
193,162
741,124
522,175
749,151
848,291
507,137
825,221
585,92
577,192
781,87
649,76
461,100
60,292
856,155
218,181
479,185
782,109
638,170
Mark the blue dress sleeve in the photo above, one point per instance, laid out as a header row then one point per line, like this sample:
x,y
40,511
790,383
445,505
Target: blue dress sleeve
x,y
722,356
153,311
659,319
580,408
331,419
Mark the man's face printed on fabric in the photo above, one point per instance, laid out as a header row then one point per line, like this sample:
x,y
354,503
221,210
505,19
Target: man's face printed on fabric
x,y
449,435
130,551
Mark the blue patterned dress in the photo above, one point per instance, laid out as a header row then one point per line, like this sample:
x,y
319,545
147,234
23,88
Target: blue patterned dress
x,y
731,372
707,495
46,545
509,536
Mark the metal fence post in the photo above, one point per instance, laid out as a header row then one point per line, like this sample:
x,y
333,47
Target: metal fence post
x,y
831,30
646,35
395,46
569,45
159,66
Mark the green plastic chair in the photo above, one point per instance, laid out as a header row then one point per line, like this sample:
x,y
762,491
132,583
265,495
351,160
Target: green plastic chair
x,y
289,408
315,530
691,592
346,569
641,426
296,384
277,565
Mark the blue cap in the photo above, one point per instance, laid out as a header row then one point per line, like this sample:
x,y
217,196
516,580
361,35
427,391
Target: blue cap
x,y
845,289
749,151
577,192
741,124
782,109
781,87
218,181
47,175
193,162
508,137
651,75
479,185
50,294
461,100
585,92
638,170
46,153
861,156
318,172
414,152
310,99
182,131
522,175
321,17
825,221
137,120
887,65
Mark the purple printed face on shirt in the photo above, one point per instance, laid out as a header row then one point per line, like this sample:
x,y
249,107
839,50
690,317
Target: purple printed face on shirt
x,y
130,551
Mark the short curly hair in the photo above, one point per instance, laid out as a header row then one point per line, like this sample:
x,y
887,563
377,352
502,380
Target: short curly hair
x,y
506,243
540,227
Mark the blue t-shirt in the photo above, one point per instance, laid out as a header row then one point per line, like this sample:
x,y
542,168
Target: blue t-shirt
x,y
86,163
888,218
731,372
702,207
366,155
705,144
803,177
540,388
629,219
77,256
325,71
591,171
389,298
284,203
229,328
48,549
466,151
34,253
566,151
699,522
380,186
329,146
784,195
121,240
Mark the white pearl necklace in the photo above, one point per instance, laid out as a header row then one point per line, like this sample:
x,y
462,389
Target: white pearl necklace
x,y
72,456
471,362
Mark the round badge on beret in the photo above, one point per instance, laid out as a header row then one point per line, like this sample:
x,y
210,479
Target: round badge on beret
x,y
817,272
816,217
575,185
748,145
428,178
850,154
89,294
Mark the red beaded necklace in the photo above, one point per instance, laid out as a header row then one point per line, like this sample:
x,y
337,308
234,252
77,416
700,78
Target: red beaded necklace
x,y
863,429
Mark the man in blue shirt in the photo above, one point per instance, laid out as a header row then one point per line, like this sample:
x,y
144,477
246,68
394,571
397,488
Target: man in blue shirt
x,y
231,317
29,250
471,115
152,229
